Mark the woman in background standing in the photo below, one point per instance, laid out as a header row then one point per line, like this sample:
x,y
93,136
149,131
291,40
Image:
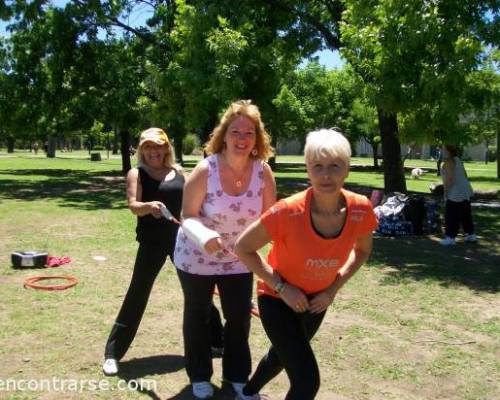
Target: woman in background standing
x,y
457,194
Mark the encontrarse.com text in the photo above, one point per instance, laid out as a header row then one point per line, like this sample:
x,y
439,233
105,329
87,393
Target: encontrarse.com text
x,y
55,384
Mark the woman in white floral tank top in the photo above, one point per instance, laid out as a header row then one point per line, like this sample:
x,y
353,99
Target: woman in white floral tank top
x,y
224,194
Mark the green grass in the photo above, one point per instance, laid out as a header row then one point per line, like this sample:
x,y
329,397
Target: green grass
x,y
417,322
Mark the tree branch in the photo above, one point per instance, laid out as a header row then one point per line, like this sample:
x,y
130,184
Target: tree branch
x,y
334,7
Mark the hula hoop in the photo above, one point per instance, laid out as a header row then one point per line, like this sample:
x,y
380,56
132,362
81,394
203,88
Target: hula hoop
x,y
31,282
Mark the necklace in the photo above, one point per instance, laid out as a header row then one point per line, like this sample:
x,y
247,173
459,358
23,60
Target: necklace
x,y
237,179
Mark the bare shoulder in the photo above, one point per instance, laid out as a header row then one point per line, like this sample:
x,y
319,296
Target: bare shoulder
x,y
199,173
268,172
132,174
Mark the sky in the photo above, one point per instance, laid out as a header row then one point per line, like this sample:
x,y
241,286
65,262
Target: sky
x,y
330,59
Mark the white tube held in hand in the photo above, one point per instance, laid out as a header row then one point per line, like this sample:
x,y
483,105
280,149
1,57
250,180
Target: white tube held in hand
x,y
197,232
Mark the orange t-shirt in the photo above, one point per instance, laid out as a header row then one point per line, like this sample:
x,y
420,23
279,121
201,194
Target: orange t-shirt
x,y
300,255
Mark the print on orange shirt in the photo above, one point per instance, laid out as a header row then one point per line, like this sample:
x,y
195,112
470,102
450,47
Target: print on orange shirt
x,y
301,256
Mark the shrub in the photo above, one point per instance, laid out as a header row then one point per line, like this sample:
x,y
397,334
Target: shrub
x,y
189,143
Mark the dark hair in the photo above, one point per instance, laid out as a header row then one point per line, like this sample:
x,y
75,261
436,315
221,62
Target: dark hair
x,y
452,149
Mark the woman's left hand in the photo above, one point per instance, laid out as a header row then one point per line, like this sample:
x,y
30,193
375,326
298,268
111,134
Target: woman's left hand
x,y
321,301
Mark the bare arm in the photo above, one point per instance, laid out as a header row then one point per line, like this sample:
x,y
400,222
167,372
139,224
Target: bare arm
x,y
134,197
358,256
251,240
195,191
449,175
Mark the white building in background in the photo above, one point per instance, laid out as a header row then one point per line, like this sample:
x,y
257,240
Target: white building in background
x,y
362,148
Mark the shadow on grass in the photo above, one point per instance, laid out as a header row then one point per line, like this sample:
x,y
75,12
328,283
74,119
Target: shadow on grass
x,y
471,265
155,365
224,393
73,188
137,368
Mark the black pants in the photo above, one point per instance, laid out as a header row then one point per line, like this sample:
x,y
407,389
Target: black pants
x,y
290,334
149,260
235,295
456,214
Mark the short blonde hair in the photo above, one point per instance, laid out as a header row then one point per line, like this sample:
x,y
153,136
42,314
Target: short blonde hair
x,y
156,134
239,108
327,143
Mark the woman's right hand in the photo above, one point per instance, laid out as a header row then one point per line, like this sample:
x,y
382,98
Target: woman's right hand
x,y
214,245
155,208
294,298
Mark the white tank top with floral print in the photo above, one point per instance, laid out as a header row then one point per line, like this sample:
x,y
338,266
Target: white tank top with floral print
x,y
227,215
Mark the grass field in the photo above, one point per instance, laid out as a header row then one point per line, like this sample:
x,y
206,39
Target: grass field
x,y
417,322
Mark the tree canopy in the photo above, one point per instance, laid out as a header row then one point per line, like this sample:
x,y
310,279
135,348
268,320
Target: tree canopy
x,y
420,69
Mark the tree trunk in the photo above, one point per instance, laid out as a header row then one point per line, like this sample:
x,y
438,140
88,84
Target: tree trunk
x,y
116,138
125,150
498,152
394,177
51,146
10,144
178,152
274,144
375,156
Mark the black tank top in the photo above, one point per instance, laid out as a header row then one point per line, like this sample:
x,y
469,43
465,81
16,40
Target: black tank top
x,y
159,230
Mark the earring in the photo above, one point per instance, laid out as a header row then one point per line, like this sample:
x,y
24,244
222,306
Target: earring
x,y
255,152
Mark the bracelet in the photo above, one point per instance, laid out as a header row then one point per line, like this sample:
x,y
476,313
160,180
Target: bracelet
x,y
279,287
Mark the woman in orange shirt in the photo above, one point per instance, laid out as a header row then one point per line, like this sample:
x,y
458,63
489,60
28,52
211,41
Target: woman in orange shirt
x,y
320,237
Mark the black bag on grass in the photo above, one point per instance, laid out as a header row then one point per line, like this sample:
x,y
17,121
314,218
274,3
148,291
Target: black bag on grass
x,y
415,212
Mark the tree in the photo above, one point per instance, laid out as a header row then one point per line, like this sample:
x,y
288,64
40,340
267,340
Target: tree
x,y
313,98
65,75
412,55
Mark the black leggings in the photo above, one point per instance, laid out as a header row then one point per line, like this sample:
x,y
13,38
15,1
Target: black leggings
x,y
456,214
149,260
290,334
235,296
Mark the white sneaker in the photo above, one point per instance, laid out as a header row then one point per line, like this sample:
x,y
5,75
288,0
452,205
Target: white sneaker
x,y
110,367
470,238
203,390
447,241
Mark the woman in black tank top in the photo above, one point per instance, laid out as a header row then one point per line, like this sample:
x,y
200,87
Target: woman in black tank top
x,y
156,183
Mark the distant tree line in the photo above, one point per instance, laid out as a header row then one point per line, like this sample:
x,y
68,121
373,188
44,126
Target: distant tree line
x,y
416,70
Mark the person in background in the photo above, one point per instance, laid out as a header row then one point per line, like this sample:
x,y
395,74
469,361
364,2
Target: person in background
x,y
439,160
156,183
226,192
457,194
320,237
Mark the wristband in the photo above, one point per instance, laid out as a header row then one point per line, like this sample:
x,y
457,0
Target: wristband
x,y
279,287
